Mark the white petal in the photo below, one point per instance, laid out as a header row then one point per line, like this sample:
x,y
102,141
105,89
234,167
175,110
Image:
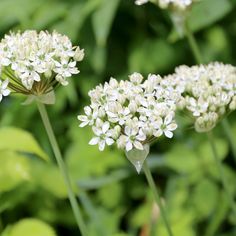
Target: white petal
x,y
105,127
94,141
82,118
87,110
128,146
101,145
168,134
109,141
168,119
5,83
83,124
138,145
172,126
158,133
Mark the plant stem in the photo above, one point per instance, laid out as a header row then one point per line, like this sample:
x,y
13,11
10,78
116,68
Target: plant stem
x,y
227,129
62,167
221,172
157,197
193,44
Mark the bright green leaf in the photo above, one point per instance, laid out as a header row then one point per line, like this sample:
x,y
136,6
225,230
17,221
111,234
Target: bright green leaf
x,y
15,139
32,227
102,20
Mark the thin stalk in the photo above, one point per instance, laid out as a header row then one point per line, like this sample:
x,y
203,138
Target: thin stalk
x,y
157,197
227,129
62,167
193,44
221,172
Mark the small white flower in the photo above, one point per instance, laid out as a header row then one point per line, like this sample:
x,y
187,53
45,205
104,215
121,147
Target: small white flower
x,y
166,126
65,68
134,138
4,91
103,136
89,118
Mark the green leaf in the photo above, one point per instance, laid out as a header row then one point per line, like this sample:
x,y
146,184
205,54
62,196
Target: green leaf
x,y
15,169
213,9
102,20
77,15
33,227
18,140
197,20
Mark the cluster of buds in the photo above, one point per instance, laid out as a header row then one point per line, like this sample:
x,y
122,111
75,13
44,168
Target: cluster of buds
x,y
209,92
131,113
34,63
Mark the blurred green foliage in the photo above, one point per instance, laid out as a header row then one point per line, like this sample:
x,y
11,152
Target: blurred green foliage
x,y
118,38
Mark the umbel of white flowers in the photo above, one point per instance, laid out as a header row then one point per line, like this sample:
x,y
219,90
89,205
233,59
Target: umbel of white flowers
x,y
33,63
174,4
209,92
132,114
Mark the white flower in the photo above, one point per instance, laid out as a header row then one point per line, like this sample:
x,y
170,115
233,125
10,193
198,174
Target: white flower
x,y
166,126
133,138
103,136
4,91
66,69
208,90
89,118
132,111
29,58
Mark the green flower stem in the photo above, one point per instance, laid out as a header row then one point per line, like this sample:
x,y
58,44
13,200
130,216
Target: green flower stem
x,y
228,132
62,167
221,172
193,44
157,197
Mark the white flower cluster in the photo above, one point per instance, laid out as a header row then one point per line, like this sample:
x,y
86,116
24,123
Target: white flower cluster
x,y
41,59
209,92
177,4
131,113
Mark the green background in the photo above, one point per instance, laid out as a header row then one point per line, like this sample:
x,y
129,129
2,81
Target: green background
x,y
119,38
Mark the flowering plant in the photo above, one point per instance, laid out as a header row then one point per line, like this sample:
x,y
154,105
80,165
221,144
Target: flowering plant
x,y
209,92
132,113
34,63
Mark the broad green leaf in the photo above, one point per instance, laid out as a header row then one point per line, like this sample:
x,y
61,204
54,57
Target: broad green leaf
x,y
32,227
18,140
77,15
15,169
213,9
102,20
